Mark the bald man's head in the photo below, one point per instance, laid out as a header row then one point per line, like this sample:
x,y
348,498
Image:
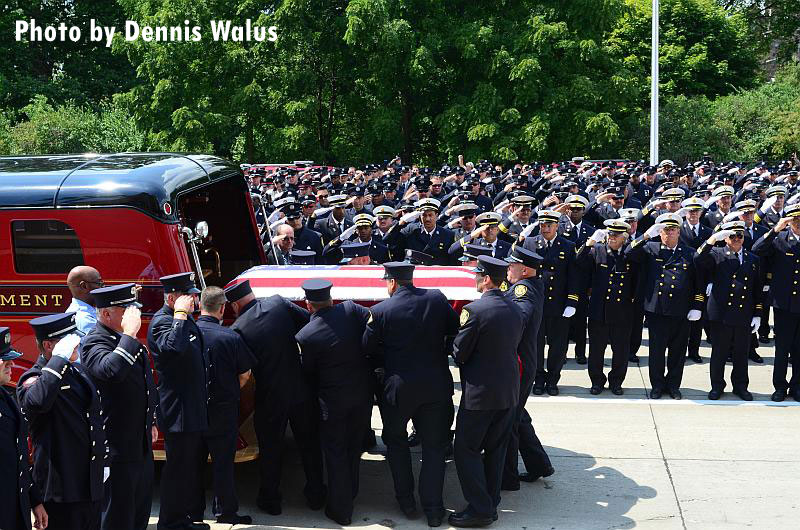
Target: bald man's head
x,y
83,279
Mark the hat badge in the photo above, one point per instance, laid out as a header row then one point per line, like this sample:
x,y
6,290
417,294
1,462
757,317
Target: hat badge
x,y
191,276
8,338
133,290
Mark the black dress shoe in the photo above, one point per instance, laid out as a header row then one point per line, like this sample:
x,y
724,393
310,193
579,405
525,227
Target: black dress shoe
x,y
617,391
796,395
528,477
468,520
696,358
409,510
435,519
744,395
633,359
369,440
778,395
764,339
235,519
595,390
580,359
344,521
755,357
271,507
552,390
198,526
715,394
674,393
656,393
509,487
538,390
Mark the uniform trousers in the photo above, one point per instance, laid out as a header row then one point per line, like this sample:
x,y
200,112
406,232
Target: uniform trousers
x,y
432,424
487,432
128,495
695,336
577,330
73,515
555,331
729,340
668,335
523,440
342,432
221,445
181,479
637,326
787,345
763,329
600,336
270,425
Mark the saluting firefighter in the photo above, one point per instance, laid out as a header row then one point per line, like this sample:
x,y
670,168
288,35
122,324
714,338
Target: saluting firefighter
x,y
64,412
120,367
332,355
527,293
612,279
734,305
781,246
176,345
673,297
485,350
19,496
417,384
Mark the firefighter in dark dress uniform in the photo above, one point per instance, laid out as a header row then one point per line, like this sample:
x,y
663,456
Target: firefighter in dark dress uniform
x,y
527,292
561,286
176,345
332,355
417,383
734,305
18,494
485,350
424,236
64,412
230,361
283,395
673,297
781,246
693,234
120,367
612,281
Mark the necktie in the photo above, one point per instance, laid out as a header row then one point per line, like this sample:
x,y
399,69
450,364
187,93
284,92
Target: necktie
x,y
696,231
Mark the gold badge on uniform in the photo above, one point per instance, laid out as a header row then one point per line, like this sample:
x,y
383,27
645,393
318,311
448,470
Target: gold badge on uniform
x,y
504,286
464,316
520,291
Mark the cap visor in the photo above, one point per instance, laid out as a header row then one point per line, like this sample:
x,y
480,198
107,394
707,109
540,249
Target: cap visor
x,y
10,355
193,290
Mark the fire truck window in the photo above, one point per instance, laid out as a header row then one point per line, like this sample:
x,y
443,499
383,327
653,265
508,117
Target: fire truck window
x,y
45,247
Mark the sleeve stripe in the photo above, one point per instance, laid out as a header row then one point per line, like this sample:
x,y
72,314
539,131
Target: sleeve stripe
x,y
125,355
47,369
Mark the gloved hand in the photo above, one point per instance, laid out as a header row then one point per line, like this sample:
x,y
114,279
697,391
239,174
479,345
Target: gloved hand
x,y
768,204
793,199
569,311
755,324
710,201
694,315
347,233
653,231
319,212
454,222
277,223
66,346
597,237
529,229
413,216
718,236
708,289
106,473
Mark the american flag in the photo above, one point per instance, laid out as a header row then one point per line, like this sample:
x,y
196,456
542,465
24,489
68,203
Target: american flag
x,y
360,283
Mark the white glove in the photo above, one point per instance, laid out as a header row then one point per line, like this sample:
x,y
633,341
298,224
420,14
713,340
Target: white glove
x,y
501,205
106,473
793,199
347,233
719,236
274,215
66,346
569,311
277,223
319,212
768,204
694,315
598,236
708,289
407,218
454,222
529,229
709,202
755,324
654,230
682,212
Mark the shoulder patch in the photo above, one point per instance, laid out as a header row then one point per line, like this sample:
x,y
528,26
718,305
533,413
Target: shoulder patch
x,y
504,286
464,316
520,291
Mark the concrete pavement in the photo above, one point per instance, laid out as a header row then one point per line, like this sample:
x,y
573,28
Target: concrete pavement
x,y
621,462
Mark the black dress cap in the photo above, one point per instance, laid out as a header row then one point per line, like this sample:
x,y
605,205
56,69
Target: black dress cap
x,y
489,266
398,270
52,327
6,352
527,257
317,289
182,282
117,296
238,291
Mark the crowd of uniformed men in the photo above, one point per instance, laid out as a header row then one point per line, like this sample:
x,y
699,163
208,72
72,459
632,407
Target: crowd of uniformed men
x,y
559,252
